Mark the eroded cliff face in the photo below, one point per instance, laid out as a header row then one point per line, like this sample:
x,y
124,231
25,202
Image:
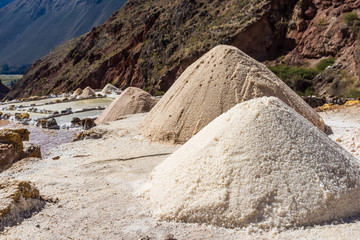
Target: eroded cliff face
x,y
148,44
319,30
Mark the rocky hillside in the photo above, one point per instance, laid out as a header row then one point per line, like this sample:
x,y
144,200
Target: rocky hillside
x,y
3,90
148,44
29,29
324,30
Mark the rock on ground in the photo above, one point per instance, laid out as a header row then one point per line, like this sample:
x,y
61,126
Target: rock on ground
x,y
18,200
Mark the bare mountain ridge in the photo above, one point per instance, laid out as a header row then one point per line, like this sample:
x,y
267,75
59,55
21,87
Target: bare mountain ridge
x,y
30,29
5,2
148,44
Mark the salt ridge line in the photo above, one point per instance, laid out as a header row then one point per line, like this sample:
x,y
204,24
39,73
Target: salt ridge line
x,y
261,165
216,82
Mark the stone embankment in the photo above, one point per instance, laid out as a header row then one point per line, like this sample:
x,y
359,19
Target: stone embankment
x,y
12,148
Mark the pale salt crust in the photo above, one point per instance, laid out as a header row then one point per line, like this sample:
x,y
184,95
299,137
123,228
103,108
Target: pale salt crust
x,y
222,78
132,100
260,164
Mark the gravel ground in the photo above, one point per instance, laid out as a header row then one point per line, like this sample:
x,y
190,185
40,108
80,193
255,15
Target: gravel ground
x,y
97,190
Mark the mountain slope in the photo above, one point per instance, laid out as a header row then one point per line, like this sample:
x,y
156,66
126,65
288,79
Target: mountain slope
x,y
3,90
148,44
5,2
29,29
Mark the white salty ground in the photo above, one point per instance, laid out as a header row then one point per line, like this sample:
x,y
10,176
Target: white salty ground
x,y
99,191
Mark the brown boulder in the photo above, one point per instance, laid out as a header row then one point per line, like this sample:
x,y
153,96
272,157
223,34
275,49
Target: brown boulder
x,y
31,150
20,116
8,155
14,137
12,147
88,123
18,200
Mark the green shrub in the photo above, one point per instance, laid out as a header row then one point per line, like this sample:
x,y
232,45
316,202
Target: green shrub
x,y
323,64
159,93
353,93
310,91
343,84
350,18
353,22
147,89
321,22
297,78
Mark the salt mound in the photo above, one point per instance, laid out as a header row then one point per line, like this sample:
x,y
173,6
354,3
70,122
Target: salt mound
x,y
212,85
260,164
88,92
132,100
78,92
109,88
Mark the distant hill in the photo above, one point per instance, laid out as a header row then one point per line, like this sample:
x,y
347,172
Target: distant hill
x,y
29,29
5,2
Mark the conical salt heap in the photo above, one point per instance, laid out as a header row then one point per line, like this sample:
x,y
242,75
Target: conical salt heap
x,y
88,92
132,100
212,85
78,92
109,88
260,164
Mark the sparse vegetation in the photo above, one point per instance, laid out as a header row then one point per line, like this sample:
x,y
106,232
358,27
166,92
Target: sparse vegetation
x,y
353,93
342,83
323,64
300,78
297,78
321,22
159,93
353,22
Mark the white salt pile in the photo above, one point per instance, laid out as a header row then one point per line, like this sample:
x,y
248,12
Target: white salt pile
x,y
212,85
78,92
260,164
132,100
88,92
109,88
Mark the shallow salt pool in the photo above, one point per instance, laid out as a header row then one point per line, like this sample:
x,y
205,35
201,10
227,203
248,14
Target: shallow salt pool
x,y
37,102
77,105
45,138
66,119
49,139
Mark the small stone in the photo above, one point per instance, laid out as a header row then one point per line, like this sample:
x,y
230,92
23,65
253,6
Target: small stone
x,y
169,237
